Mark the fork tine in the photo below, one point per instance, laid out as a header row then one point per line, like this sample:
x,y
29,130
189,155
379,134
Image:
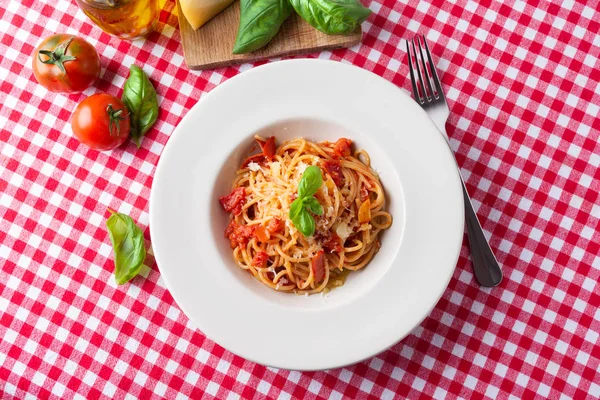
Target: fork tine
x,y
436,79
413,79
424,98
426,74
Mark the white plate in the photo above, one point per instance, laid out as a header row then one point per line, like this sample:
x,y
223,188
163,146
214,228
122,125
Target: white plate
x,y
319,100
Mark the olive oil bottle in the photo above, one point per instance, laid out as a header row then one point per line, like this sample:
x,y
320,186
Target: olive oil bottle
x,y
126,19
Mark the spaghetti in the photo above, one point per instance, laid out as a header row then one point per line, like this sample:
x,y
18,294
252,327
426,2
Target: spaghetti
x,y
265,241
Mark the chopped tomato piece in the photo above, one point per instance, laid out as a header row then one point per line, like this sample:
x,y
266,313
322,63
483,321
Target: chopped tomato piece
x,y
364,193
239,235
342,148
334,169
230,228
275,225
268,147
333,243
267,152
257,158
364,212
260,259
234,201
317,264
261,234
264,234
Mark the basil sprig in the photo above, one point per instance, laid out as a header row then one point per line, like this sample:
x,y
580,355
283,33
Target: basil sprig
x,y
260,20
128,244
306,203
334,17
140,98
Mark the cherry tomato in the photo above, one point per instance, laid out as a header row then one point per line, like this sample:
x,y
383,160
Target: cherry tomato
x,y
101,122
318,266
66,64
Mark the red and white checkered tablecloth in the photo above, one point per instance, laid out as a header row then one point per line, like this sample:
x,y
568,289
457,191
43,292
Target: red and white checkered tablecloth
x,y
523,85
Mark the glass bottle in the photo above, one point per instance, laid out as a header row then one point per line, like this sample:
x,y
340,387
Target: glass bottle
x,y
126,19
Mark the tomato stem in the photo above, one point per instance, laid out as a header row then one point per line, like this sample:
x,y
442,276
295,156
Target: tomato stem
x,y
57,56
114,116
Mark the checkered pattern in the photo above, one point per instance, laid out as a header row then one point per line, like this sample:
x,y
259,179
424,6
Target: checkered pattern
x,y
523,85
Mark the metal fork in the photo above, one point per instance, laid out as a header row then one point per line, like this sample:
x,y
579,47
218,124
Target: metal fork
x,y
427,91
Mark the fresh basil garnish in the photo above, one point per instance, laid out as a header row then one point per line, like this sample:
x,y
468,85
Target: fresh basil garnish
x,y
313,205
140,98
311,182
306,223
260,20
334,17
128,244
296,208
306,203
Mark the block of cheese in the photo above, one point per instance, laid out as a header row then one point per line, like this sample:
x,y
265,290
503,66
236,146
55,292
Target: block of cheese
x,y
199,12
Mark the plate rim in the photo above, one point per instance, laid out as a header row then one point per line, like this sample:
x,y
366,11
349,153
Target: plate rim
x,y
158,173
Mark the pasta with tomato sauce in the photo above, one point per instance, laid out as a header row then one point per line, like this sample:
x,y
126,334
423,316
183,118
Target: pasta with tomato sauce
x,y
268,240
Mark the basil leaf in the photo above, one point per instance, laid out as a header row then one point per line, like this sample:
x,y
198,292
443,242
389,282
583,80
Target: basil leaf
x,y
128,244
260,21
310,182
313,205
140,98
334,17
296,208
306,223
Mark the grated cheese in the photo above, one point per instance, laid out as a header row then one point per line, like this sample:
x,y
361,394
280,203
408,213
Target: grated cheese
x,y
275,168
330,211
343,230
290,226
302,167
254,166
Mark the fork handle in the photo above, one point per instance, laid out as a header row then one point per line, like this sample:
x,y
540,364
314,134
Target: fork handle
x,y
485,266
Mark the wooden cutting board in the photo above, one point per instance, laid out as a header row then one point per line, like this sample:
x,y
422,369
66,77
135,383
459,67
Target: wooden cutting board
x,y
210,46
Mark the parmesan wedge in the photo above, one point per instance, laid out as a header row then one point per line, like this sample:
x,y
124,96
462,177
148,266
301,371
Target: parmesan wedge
x,y
199,12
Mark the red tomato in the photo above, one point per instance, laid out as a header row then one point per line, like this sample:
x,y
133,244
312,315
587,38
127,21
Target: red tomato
x,y
66,64
234,201
260,259
268,152
239,235
275,225
261,234
101,122
268,147
257,158
342,148
334,169
333,243
318,266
